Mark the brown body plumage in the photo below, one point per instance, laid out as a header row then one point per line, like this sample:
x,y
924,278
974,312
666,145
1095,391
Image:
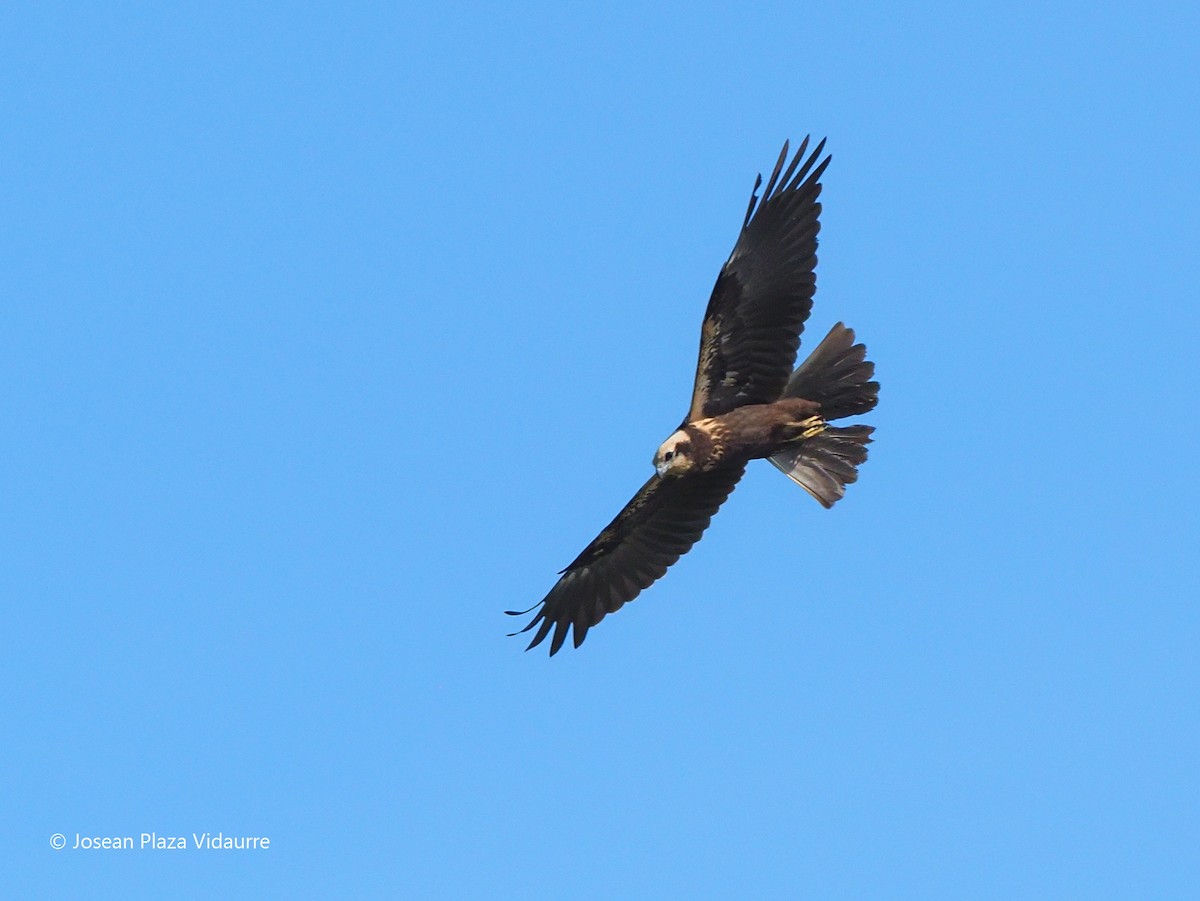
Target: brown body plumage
x,y
747,433
747,403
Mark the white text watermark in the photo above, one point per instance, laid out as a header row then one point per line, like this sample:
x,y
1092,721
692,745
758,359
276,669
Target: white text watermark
x,y
153,841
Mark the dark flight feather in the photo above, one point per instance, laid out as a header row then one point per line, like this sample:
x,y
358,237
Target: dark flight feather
x,y
764,293
658,526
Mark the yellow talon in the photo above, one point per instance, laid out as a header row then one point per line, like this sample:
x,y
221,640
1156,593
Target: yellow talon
x,y
816,425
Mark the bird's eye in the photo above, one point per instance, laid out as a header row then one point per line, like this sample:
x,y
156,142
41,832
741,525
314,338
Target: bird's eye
x,y
668,455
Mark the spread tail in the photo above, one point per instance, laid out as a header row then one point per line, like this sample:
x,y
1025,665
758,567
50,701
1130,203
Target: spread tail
x,y
838,375
824,465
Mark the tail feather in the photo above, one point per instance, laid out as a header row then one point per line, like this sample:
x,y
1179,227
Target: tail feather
x,y
823,466
837,374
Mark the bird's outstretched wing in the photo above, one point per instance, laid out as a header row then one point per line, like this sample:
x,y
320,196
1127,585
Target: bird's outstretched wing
x,y
764,293
662,522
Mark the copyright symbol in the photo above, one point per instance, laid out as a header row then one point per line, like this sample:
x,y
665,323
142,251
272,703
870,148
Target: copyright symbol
x,y
58,841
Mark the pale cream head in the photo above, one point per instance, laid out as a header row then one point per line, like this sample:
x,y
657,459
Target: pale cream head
x,y
674,458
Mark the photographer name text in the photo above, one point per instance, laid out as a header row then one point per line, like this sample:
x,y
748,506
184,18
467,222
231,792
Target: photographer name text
x,y
152,841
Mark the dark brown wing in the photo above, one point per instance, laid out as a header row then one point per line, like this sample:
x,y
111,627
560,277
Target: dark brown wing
x,y
764,293
662,522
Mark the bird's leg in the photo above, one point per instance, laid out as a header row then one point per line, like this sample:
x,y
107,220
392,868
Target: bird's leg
x,y
813,426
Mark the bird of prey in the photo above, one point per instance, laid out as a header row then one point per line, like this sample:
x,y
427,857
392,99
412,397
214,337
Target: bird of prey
x,y
747,403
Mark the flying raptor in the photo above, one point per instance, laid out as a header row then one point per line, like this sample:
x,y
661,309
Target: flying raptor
x,y
747,404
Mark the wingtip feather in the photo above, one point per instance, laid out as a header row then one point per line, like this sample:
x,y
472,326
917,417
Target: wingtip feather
x,y
753,200
560,635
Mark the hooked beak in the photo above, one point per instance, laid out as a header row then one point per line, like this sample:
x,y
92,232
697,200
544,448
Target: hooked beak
x,y
661,468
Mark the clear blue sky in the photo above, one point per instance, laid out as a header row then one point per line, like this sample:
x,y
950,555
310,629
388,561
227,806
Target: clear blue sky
x,y
329,333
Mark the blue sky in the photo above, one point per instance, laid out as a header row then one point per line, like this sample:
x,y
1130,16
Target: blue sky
x,y
330,332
